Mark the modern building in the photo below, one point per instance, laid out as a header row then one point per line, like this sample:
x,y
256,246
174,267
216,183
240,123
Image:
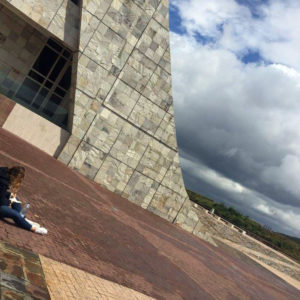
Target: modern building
x,y
89,82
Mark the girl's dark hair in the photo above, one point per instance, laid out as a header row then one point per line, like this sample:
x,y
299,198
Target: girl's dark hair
x,y
16,176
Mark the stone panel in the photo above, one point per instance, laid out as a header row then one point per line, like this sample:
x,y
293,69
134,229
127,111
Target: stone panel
x,y
89,24
40,11
65,24
84,103
85,110
108,49
148,6
167,132
140,189
130,145
122,98
60,17
98,8
93,79
114,175
154,41
104,130
156,160
87,160
79,130
147,115
171,111
173,178
137,71
166,203
187,217
126,19
162,13
158,89
69,149
165,61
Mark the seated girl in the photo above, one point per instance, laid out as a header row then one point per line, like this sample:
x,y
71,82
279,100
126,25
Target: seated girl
x,y
10,207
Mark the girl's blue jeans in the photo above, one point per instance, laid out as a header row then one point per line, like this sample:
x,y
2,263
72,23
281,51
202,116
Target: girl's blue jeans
x,y
13,212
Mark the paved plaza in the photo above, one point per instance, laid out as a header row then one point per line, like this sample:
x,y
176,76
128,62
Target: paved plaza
x,y
105,238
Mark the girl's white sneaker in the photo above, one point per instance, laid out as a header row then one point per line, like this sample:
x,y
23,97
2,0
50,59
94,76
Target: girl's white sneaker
x,y
41,230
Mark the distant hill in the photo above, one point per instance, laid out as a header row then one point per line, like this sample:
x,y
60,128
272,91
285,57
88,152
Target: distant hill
x,y
284,243
295,239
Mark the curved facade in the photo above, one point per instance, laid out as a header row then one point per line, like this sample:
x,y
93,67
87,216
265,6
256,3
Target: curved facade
x,y
121,118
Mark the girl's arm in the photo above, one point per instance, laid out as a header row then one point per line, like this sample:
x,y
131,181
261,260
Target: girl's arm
x,y
13,198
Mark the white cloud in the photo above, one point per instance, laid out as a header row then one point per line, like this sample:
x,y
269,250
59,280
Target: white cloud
x,y
212,177
242,131
286,175
265,209
281,215
206,16
276,34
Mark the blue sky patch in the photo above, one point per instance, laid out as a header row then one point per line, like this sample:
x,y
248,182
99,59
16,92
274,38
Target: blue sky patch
x,y
254,6
252,56
203,39
176,21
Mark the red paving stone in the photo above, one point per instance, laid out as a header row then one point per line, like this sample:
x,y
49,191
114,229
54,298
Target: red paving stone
x,y
97,231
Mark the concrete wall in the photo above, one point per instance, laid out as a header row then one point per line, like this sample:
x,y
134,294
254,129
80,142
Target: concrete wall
x,y
6,106
36,130
31,127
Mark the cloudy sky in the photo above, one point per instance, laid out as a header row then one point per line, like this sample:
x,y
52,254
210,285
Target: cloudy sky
x,y
236,88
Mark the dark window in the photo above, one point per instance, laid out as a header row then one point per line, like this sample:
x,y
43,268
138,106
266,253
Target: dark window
x,y
60,92
36,76
57,69
66,54
52,105
54,45
65,121
46,86
45,61
66,80
75,1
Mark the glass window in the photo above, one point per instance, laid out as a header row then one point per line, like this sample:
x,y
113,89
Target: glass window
x,y
75,1
40,98
45,61
60,92
57,69
66,79
54,45
47,84
28,90
66,54
36,76
52,105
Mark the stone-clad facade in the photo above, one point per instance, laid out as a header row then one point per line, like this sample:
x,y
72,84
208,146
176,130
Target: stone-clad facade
x,y
122,121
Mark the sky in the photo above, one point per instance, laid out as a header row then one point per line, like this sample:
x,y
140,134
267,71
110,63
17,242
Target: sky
x,y
236,89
